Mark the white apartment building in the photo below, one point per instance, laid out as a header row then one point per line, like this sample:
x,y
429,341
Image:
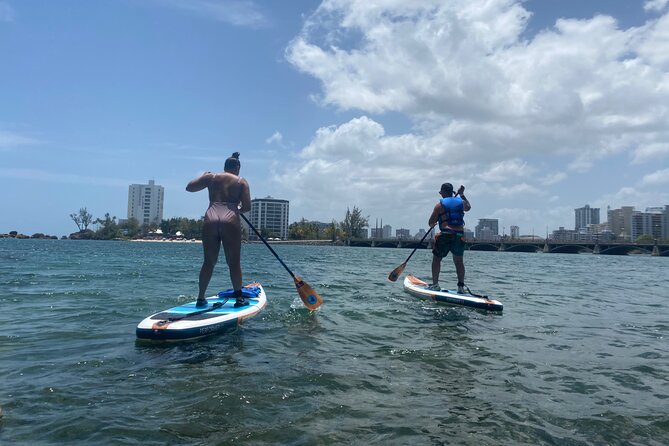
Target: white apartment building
x,y
145,203
270,217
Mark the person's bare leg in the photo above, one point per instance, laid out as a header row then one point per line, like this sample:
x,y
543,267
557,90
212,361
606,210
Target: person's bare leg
x,y
232,246
211,244
459,263
436,269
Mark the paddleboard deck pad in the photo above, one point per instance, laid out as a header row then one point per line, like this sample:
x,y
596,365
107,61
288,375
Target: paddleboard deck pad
x,y
418,288
190,322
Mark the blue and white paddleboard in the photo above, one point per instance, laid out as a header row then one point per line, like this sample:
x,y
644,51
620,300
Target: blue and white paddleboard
x,y
418,288
188,322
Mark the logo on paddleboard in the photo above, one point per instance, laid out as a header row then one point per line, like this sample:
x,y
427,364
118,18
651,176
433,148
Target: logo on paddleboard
x,y
312,299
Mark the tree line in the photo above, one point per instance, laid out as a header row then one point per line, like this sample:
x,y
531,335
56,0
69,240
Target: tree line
x,y
108,227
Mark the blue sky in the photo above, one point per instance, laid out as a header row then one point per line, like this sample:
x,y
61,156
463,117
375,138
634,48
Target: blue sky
x,y
537,107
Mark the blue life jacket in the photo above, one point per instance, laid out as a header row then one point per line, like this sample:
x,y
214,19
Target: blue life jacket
x,y
454,211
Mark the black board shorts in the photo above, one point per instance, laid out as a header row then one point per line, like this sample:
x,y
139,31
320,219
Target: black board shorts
x,y
446,242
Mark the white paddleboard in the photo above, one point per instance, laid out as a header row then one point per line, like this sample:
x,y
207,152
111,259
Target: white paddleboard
x,y
189,322
418,288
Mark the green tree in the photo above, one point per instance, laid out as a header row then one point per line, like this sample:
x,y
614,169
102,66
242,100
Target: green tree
x,y
333,232
645,238
108,228
83,219
303,230
129,228
353,223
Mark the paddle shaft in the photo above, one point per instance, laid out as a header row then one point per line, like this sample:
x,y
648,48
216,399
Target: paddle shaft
x,y
419,244
267,244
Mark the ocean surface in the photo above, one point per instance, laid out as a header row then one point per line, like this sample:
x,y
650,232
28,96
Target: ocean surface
x,y
580,355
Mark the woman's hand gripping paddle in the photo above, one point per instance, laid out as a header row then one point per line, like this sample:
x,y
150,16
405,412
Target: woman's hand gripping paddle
x,y
395,274
309,297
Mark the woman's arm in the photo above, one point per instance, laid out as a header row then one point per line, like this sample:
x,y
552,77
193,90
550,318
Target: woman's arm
x,y
199,183
245,198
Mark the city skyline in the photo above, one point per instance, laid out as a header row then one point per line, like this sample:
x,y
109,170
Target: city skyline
x,y
536,107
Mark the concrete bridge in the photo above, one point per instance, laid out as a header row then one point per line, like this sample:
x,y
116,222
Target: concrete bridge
x,y
548,246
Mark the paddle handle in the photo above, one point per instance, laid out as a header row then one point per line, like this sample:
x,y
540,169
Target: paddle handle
x,y
267,244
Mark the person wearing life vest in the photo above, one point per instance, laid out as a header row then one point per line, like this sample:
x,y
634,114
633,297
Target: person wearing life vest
x,y
449,214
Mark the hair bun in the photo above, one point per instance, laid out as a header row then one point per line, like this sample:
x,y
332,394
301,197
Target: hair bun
x,y
235,155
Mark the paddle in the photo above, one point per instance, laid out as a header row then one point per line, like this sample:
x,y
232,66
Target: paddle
x,y
309,297
395,274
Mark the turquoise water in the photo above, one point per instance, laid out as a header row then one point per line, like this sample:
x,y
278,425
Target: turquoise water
x,y
579,356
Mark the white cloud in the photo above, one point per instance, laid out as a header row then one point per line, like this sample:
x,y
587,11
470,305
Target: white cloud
x,y
276,137
507,170
553,178
490,104
651,152
235,12
465,67
6,12
656,178
655,5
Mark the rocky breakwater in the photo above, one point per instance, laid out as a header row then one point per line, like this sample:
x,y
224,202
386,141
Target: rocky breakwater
x,y
38,235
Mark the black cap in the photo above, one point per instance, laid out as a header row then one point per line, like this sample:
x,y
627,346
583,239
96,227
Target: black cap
x,y
447,187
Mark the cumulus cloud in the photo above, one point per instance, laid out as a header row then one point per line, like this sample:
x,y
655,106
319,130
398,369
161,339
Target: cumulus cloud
x,y
655,5
656,178
484,96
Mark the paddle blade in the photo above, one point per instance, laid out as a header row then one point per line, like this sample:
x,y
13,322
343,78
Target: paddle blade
x,y
395,274
309,297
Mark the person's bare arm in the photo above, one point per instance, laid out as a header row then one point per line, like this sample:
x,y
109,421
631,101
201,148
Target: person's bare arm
x,y
200,182
465,203
246,197
434,218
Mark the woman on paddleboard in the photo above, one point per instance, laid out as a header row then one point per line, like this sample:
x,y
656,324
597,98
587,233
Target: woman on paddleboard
x,y
229,195
449,213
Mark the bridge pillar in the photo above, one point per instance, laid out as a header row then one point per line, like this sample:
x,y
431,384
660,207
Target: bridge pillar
x,y
656,250
596,250
373,243
546,248
399,244
501,247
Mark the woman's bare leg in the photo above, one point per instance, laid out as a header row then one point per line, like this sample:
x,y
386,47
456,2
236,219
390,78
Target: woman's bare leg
x,y
232,246
211,244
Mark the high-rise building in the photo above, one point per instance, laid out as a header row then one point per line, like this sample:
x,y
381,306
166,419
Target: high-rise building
x,y
387,231
585,216
269,216
620,222
650,223
487,229
515,231
145,203
402,233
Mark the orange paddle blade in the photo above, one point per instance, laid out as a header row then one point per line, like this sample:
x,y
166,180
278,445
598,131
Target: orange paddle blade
x,y
309,297
395,274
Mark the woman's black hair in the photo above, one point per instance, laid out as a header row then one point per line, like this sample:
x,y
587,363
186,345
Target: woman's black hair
x,y
232,163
